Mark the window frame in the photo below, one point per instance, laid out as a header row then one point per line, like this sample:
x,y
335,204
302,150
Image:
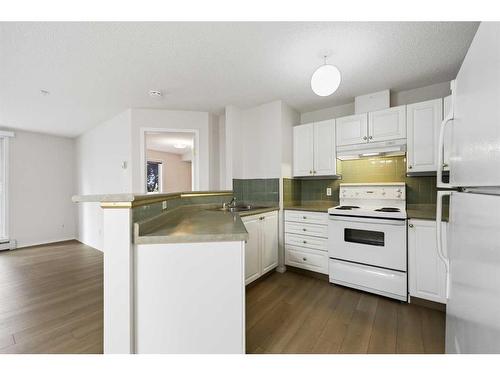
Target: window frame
x,y
4,190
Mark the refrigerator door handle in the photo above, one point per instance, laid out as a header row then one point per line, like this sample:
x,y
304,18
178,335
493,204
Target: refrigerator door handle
x,y
440,146
439,237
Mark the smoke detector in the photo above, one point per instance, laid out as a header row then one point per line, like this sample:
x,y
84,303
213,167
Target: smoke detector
x,y
155,93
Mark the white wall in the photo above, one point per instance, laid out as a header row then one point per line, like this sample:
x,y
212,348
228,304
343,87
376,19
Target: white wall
x,y
177,120
259,141
214,153
41,185
438,90
100,153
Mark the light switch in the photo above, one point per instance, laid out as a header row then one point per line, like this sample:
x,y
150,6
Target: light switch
x,y
329,192
164,205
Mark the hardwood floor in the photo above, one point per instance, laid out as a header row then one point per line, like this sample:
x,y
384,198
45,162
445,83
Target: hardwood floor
x,y
293,313
51,301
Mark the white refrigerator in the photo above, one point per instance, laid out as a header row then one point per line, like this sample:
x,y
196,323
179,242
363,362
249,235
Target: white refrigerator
x,y
472,253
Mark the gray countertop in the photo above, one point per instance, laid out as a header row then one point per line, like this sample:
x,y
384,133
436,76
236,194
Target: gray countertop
x,y
413,211
200,223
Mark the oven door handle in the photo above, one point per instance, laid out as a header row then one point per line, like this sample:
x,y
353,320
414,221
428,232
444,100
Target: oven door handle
x,y
353,219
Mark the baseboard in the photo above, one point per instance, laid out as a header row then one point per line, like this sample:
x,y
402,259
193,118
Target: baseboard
x,y
50,243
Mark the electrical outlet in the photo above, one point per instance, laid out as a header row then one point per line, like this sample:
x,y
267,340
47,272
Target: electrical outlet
x,y
329,192
164,205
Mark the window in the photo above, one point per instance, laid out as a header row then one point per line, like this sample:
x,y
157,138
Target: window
x,y
154,177
4,155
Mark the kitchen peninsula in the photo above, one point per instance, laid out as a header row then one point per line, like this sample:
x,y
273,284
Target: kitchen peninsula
x,y
167,258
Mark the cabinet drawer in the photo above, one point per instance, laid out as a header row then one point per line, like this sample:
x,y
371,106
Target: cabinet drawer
x,y
307,217
306,229
308,259
310,242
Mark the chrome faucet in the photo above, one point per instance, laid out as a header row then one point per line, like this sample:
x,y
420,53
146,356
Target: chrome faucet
x,y
232,203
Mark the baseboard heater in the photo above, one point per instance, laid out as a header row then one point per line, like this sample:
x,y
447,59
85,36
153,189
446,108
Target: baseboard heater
x,y
8,245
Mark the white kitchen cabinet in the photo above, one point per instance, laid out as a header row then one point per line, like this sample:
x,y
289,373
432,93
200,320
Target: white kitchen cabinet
x,y
387,124
306,240
447,134
423,121
426,271
269,226
252,248
314,151
261,248
303,150
352,130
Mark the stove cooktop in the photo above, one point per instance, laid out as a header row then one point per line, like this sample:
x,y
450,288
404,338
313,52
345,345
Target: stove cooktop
x,y
368,211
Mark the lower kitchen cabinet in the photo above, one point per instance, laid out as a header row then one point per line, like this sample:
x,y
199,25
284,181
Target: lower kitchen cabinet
x,y
426,271
306,236
261,249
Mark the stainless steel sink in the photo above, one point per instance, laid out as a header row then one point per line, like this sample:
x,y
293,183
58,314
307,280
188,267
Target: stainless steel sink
x,y
237,208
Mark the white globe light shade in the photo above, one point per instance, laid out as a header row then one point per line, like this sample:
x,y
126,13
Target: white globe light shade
x,y
325,80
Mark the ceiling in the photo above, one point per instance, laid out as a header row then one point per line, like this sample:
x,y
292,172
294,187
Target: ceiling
x,y
165,142
95,70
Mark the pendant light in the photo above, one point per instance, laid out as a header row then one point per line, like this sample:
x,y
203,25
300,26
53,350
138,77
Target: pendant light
x,y
325,80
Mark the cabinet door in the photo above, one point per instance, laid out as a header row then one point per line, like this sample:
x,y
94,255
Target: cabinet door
x,y
324,148
387,124
423,121
303,144
269,257
447,133
352,130
252,249
427,273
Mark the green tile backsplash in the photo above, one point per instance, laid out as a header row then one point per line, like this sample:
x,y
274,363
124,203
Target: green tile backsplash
x,y
261,191
382,169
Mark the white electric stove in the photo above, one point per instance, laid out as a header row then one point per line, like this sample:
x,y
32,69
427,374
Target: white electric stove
x,y
367,239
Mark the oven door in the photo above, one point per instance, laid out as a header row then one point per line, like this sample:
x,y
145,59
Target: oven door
x,y
371,241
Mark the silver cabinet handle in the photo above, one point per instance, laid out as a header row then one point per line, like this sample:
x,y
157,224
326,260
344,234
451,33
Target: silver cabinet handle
x,y
365,138
304,259
411,225
410,167
304,217
304,229
304,241
370,137
310,172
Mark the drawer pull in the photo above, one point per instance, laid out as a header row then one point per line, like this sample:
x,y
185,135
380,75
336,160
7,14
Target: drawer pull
x,y
304,259
304,229
304,241
304,217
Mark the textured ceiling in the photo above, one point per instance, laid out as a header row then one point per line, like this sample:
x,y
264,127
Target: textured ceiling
x,y
95,70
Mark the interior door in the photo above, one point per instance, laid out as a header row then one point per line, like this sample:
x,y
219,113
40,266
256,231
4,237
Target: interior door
x,y
387,124
324,148
269,242
352,130
252,249
303,149
473,309
423,121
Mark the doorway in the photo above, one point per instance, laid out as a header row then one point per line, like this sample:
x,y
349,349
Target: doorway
x,y
169,161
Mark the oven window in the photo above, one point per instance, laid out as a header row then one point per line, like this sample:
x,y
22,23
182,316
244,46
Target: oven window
x,y
367,237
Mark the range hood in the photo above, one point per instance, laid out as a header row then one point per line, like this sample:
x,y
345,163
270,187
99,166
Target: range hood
x,y
371,149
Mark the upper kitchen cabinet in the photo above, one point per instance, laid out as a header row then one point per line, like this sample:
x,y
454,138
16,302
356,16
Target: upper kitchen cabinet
x,y
314,149
303,150
352,130
387,124
423,121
